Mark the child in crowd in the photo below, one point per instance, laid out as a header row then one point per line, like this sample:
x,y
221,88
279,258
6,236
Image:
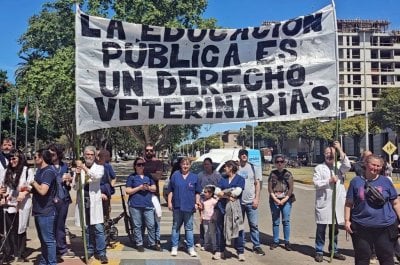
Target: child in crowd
x,y
207,218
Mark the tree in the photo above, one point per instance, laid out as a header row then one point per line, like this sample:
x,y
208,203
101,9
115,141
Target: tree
x,y
49,41
387,111
281,131
308,131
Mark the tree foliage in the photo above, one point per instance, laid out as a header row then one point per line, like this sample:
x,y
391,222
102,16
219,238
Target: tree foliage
x,y
387,111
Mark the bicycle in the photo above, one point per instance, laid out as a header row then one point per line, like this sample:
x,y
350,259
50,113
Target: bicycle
x,y
125,214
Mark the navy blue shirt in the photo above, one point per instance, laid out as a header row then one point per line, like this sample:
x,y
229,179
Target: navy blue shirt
x,y
224,184
43,205
105,183
64,195
184,191
365,215
140,199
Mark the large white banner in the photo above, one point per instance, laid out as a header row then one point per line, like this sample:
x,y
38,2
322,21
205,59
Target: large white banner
x,y
132,74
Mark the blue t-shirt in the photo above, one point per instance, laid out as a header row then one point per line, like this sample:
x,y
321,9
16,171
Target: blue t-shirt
x,y
365,215
184,191
43,205
224,184
105,183
140,199
63,192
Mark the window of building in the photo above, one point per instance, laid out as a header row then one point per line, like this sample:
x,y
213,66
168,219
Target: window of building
x,y
376,92
374,67
357,91
356,66
340,40
386,54
375,79
349,107
348,66
356,41
341,53
396,52
356,53
357,105
374,54
348,40
397,65
374,104
341,92
349,90
357,79
398,78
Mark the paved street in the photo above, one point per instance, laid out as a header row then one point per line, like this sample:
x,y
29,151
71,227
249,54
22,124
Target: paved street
x,y
302,238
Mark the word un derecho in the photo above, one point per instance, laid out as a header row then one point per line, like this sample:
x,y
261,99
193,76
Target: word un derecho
x,y
187,73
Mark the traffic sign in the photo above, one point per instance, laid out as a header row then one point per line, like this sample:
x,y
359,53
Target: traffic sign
x,y
389,148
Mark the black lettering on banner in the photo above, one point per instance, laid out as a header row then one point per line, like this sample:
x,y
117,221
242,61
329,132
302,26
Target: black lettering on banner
x,y
298,98
245,104
86,31
292,27
269,76
313,22
291,43
125,105
246,79
151,103
103,84
296,75
227,78
147,36
195,55
209,107
175,62
232,55
129,55
224,107
169,108
264,105
275,30
169,36
201,34
184,82
192,109
213,61
105,113
262,48
244,34
207,79
165,89
260,34
113,26
111,50
219,37
157,58
132,83
282,103
318,93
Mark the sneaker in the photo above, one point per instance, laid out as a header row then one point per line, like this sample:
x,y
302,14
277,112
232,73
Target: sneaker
x,y
192,253
373,260
140,248
198,245
202,248
242,257
259,251
174,251
288,247
217,256
68,254
273,246
319,257
103,259
339,256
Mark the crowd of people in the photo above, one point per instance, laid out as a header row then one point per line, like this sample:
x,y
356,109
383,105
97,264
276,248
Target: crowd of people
x,y
369,210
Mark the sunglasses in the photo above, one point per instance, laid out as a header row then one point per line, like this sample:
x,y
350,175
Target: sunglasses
x,y
279,162
149,150
140,164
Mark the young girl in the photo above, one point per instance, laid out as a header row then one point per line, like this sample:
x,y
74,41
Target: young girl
x,y
207,219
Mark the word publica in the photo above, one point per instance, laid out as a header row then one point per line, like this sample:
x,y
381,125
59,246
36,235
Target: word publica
x,y
223,107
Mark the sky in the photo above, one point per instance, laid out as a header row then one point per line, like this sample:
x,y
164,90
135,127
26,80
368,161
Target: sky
x,y
229,14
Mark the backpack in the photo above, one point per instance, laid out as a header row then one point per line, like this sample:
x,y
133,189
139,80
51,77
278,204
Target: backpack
x,y
285,175
374,197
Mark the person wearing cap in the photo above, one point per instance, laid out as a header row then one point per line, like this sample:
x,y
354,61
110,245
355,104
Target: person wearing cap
x,y
250,198
326,177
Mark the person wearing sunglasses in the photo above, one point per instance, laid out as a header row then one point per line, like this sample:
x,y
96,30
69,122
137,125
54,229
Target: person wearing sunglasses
x,y
140,189
280,188
16,195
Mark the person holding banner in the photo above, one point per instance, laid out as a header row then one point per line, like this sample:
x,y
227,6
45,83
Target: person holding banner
x,y
326,176
91,174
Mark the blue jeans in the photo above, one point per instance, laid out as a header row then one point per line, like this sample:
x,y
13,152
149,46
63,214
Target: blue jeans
x,y
137,215
252,217
276,211
320,238
61,218
157,221
96,239
45,226
220,237
179,218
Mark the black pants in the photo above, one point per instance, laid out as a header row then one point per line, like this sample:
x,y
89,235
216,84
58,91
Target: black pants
x,y
382,239
15,244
